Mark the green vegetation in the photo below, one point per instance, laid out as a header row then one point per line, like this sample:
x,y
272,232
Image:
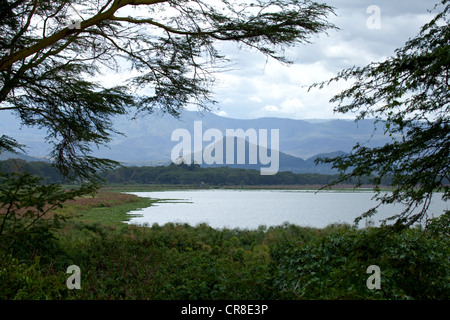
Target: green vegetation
x,y
183,175
121,261
221,176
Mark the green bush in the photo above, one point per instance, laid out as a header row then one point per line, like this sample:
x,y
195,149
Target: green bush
x,y
414,264
30,281
183,262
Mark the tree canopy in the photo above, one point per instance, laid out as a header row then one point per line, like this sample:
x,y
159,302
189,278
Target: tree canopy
x,y
409,93
50,52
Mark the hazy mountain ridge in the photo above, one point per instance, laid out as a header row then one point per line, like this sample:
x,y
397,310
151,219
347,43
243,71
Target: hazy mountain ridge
x,y
147,140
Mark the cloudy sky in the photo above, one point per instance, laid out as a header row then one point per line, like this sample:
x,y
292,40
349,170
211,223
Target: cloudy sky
x,y
255,87
369,30
258,88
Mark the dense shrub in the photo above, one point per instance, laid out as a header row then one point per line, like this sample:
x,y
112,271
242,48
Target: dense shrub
x,y
29,280
414,264
178,261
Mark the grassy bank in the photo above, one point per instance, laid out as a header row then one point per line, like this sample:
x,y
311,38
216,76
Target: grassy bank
x,y
121,261
107,207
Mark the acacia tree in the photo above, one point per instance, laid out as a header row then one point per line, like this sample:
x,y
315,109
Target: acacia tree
x,y
409,93
47,60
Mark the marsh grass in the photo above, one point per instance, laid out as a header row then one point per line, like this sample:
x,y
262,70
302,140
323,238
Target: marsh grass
x,y
107,207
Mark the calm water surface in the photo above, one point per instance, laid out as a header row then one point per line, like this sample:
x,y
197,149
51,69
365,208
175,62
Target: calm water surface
x,y
249,209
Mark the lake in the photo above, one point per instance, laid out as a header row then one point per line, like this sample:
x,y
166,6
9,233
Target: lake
x,y
249,209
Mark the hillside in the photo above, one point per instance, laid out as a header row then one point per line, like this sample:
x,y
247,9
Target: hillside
x,y
147,141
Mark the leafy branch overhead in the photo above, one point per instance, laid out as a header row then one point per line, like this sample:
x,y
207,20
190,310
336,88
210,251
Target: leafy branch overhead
x,y
409,93
47,66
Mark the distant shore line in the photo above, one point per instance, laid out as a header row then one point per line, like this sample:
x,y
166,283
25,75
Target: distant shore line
x,y
316,187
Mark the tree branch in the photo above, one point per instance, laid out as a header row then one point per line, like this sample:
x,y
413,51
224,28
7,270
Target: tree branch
x,y
47,42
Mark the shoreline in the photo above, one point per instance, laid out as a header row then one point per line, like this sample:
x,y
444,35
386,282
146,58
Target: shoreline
x,y
315,187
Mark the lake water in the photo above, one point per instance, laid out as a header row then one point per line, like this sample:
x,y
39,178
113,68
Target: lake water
x,y
249,209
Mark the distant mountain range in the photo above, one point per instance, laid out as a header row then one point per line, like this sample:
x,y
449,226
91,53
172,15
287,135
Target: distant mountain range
x,y
147,141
